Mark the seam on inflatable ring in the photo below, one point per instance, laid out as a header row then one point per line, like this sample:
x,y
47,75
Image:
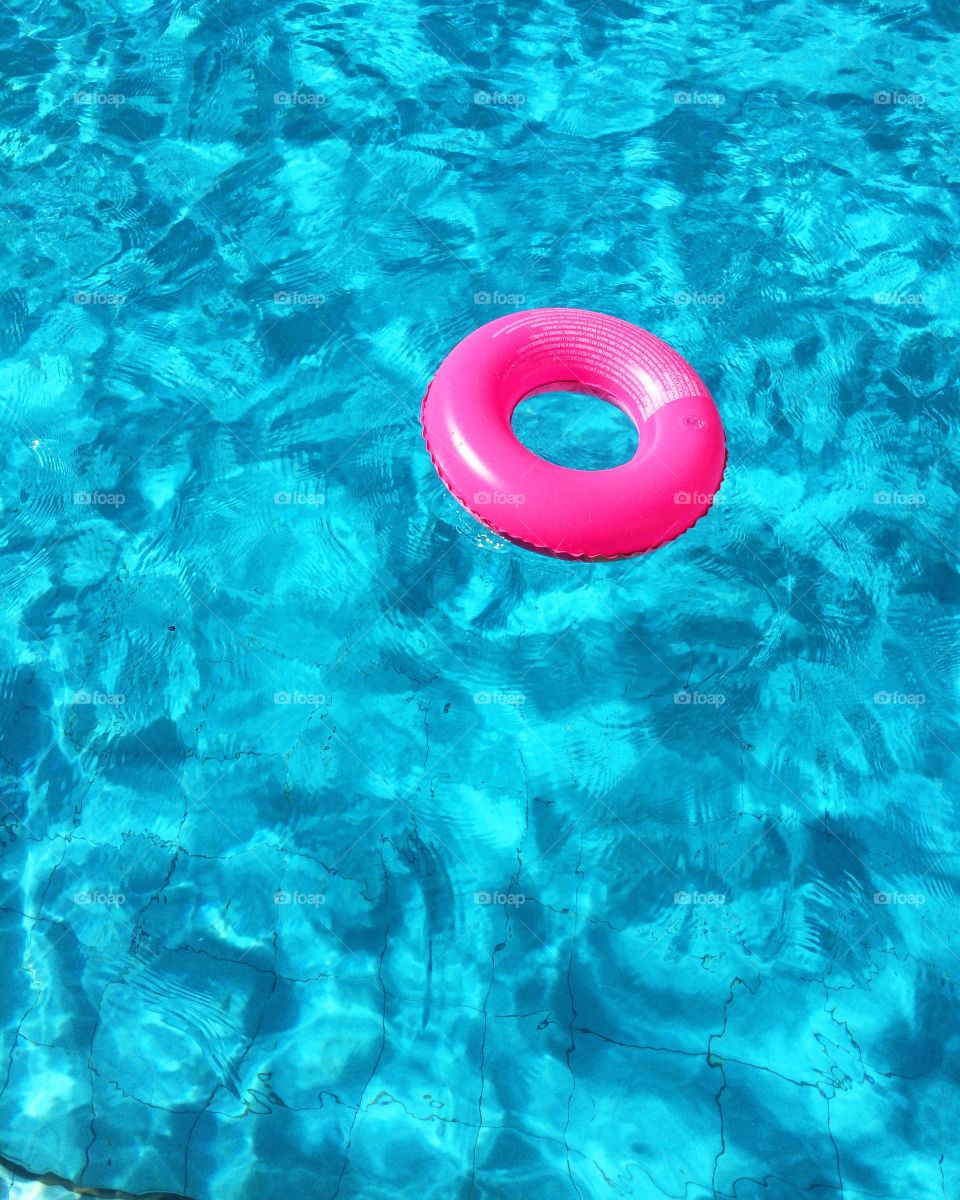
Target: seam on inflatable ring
x,y
542,547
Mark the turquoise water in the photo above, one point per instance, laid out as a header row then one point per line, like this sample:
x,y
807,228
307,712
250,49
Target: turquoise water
x,y
350,852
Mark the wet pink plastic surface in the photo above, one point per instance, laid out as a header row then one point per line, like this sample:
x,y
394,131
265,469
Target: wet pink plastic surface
x,y
664,489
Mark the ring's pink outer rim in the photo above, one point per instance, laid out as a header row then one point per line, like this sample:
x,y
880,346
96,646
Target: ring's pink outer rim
x,y
465,416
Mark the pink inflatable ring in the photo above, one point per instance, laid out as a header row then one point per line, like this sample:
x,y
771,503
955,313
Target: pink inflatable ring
x,y
660,493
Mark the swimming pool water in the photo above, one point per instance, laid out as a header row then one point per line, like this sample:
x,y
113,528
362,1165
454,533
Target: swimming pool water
x,y
348,851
